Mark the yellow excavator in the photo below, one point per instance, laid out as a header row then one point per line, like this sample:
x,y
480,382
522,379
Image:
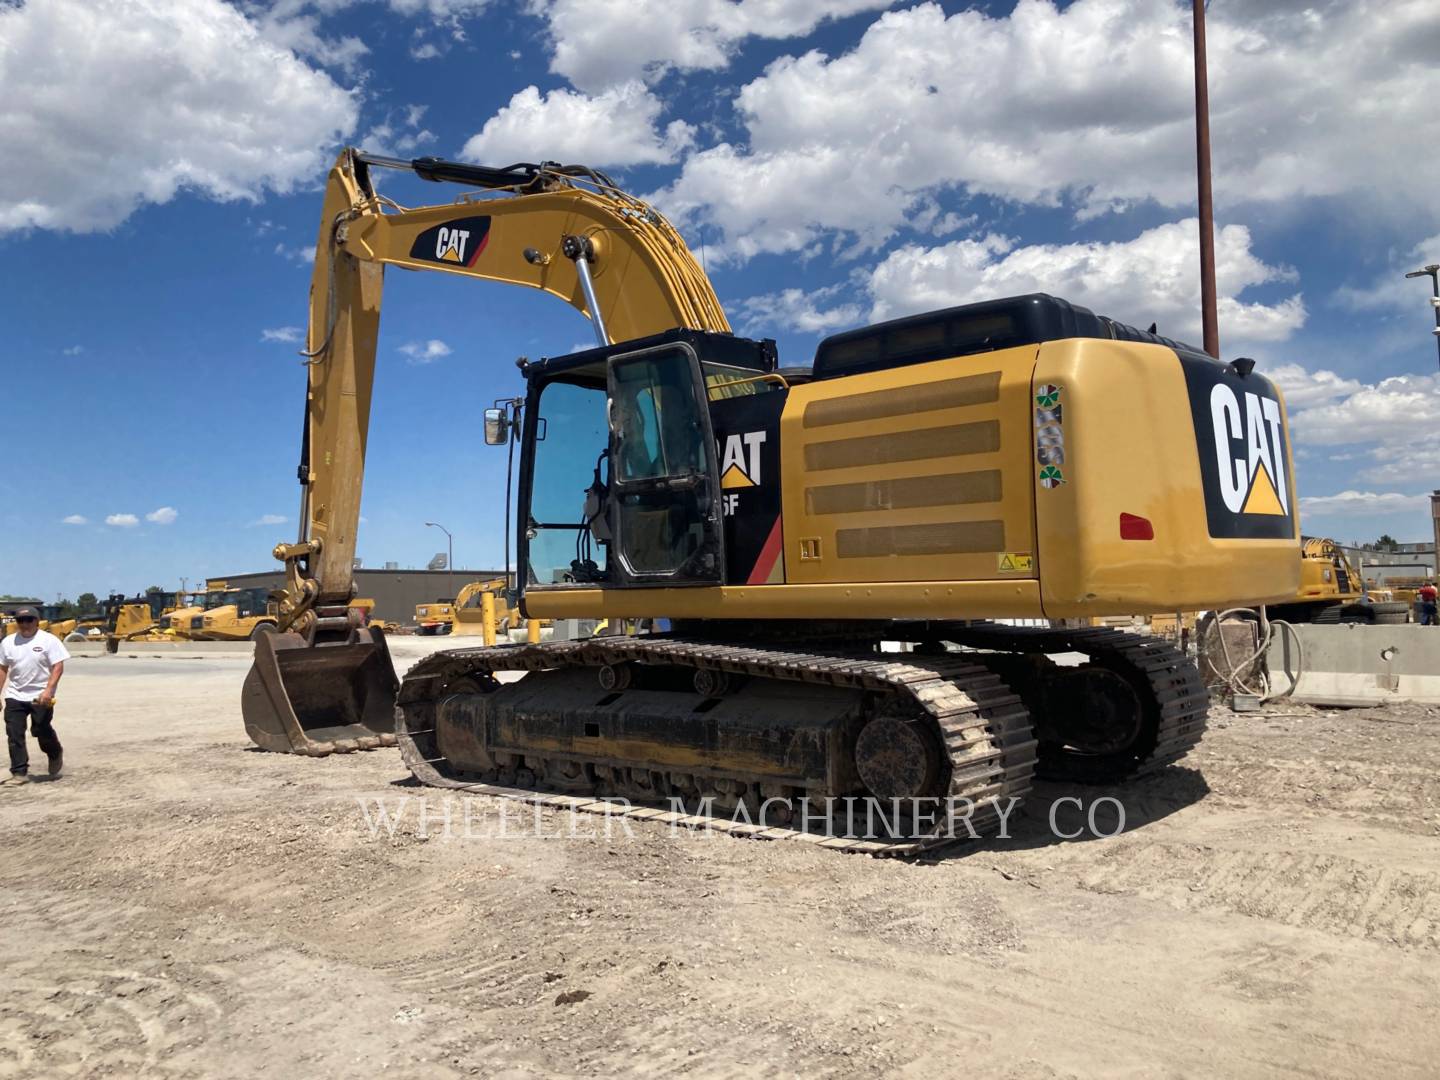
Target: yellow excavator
x,y
784,531
1332,591
482,609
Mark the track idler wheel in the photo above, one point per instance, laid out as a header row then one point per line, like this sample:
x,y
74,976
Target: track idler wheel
x,y
897,759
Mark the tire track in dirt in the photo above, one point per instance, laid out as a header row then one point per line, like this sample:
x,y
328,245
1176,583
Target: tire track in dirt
x,y
78,1007
1400,796
1330,893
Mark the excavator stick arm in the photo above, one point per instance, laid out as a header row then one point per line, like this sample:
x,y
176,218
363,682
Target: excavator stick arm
x,y
566,230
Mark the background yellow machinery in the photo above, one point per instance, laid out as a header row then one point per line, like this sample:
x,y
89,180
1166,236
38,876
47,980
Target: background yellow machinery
x,y
481,609
434,616
1333,591
49,620
235,615
179,619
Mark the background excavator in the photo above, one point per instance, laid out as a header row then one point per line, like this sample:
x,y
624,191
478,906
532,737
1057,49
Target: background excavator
x,y
1333,591
1016,459
480,609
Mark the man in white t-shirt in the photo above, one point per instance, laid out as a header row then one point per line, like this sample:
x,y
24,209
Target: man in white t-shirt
x,y
31,663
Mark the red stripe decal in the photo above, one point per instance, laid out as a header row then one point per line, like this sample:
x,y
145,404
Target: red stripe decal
x,y
475,255
768,554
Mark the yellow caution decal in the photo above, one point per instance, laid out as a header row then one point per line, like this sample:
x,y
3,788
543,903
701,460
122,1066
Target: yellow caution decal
x,y
1015,562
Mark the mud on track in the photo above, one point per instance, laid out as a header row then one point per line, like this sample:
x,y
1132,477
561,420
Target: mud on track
x,y
180,905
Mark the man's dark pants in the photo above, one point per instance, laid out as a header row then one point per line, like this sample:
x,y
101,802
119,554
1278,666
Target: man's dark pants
x,y
40,717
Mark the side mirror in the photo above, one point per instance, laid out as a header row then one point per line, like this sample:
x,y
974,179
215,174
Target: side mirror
x,y
497,427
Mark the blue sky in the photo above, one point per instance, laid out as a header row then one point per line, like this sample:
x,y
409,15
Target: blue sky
x,y
836,162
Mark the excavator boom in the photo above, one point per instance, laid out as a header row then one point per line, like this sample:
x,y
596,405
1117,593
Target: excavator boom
x,y
325,682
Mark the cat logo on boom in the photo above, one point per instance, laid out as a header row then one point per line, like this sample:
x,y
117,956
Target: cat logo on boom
x,y
455,243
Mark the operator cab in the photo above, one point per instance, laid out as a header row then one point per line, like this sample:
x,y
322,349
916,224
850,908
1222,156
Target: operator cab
x,y
623,458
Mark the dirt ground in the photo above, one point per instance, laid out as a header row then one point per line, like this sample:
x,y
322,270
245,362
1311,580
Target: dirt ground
x,y
179,904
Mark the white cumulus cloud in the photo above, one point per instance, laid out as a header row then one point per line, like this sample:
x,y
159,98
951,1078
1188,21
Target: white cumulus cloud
x,y
270,519
1089,106
425,352
599,43
113,104
296,25
1304,389
304,254
1353,503
122,521
1402,406
791,310
616,127
166,515
283,334
76,519
399,134
1387,427
1152,278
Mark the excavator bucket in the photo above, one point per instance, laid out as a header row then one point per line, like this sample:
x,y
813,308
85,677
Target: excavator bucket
x,y
327,698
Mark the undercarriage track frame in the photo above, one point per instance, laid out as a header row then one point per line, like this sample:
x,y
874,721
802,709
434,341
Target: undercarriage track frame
x,y
984,726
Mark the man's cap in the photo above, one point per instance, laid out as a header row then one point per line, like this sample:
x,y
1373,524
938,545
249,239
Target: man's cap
x,y
26,613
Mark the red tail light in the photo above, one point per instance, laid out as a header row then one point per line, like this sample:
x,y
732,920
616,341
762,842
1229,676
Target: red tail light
x,y
1134,527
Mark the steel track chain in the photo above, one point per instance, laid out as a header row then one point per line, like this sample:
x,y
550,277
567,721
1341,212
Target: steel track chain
x,y
1176,688
983,725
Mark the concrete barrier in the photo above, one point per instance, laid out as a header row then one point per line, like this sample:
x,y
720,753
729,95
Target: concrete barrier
x,y
1356,664
163,648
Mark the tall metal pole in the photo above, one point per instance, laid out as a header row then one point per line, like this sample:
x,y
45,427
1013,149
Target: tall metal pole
x,y
1202,165
1433,271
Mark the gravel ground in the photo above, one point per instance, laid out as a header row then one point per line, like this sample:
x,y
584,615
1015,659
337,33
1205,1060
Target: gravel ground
x,y
180,904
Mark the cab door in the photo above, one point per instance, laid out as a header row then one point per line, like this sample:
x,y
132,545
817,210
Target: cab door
x,y
664,510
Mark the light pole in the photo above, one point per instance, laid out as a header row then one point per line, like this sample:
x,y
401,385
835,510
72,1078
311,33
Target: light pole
x,y
1209,319
1433,273
449,557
